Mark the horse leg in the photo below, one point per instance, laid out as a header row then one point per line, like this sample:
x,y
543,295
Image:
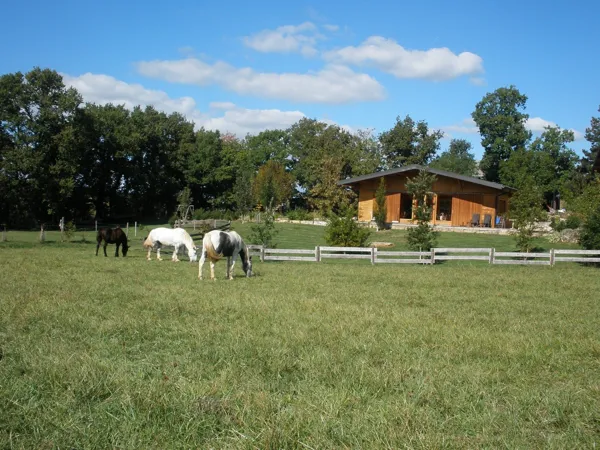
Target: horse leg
x,y
117,250
158,246
174,257
231,267
149,252
200,264
105,245
212,270
98,246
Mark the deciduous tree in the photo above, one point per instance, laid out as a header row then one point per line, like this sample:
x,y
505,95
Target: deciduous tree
x,y
409,142
501,124
457,159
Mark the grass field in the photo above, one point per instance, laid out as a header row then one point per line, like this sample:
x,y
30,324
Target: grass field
x,y
124,353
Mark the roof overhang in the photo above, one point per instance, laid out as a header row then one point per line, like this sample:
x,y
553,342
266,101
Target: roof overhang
x,y
415,168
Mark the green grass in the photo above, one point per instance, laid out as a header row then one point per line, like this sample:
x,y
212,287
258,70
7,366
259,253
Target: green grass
x,y
125,353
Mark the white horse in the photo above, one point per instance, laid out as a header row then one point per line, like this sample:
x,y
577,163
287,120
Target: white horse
x,y
170,237
219,244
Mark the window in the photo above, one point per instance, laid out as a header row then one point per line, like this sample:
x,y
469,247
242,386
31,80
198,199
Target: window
x,y
444,207
406,206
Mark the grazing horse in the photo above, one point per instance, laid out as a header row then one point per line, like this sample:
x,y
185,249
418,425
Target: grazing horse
x,y
170,237
218,244
112,236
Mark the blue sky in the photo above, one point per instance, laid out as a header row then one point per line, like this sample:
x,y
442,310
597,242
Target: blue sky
x,y
247,66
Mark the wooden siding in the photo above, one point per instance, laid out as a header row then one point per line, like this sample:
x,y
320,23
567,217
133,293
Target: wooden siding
x,y
467,199
393,207
365,205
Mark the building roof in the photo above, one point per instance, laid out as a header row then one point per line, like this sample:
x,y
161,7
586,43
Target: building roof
x,y
415,167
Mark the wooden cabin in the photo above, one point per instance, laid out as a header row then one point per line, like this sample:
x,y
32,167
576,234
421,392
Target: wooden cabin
x,y
456,197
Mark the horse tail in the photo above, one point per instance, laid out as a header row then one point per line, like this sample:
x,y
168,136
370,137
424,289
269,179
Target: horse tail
x,y
209,248
148,242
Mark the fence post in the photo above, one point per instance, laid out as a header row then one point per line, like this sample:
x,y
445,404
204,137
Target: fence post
x,y
62,229
135,228
492,253
432,256
42,234
373,255
127,232
552,257
262,253
318,253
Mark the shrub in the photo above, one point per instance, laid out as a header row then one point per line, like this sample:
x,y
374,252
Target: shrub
x,y
264,232
590,232
344,231
525,211
69,230
381,207
557,224
573,222
422,237
298,214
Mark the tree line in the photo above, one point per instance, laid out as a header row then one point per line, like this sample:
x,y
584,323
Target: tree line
x,y
61,157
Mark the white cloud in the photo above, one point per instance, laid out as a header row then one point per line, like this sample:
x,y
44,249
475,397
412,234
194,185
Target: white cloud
x,y
241,121
221,105
222,116
478,81
467,126
334,84
434,64
534,124
538,125
331,27
286,39
104,89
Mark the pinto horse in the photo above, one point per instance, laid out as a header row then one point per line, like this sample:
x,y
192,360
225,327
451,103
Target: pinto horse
x,y
112,236
218,244
170,237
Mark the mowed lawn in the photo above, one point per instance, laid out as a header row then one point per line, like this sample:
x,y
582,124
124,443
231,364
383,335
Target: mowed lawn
x,y
124,353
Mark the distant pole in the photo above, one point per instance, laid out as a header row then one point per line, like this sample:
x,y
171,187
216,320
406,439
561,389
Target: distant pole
x,y
127,232
42,234
135,229
62,229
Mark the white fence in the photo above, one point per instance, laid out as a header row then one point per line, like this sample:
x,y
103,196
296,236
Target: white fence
x,y
435,255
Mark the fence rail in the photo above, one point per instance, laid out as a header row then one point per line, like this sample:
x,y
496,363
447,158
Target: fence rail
x,y
433,256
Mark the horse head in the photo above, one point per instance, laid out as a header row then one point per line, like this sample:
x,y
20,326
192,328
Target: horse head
x,y
192,253
125,248
247,266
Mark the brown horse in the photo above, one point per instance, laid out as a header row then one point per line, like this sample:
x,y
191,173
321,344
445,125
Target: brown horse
x,y
112,236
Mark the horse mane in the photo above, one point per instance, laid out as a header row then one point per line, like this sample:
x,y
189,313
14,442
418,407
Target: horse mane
x,y
188,239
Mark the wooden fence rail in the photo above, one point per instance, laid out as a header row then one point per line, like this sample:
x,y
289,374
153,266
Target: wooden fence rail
x,y
377,256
